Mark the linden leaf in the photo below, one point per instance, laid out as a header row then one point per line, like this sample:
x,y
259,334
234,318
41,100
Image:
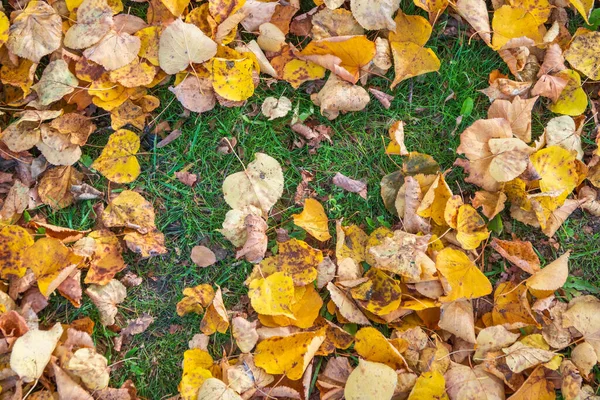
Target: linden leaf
x,y
131,210
430,385
195,299
215,318
195,372
314,220
244,333
464,382
32,351
536,387
517,113
370,381
514,22
182,44
115,50
176,7
94,20
380,295
90,367
464,278
345,56
346,306
471,228
56,82
562,131
288,355
51,262
457,318
35,32
410,57
54,188
14,242
374,15
106,299
273,295
117,162
371,345
233,79
216,389
338,95
259,185
519,253
403,254
520,357
475,13
572,100
493,338
306,308
107,259
550,278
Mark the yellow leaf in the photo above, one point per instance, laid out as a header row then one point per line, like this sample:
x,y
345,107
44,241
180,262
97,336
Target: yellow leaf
x,y
351,241
381,294
195,371
233,79
14,241
471,227
346,306
407,41
136,73
176,7
396,146
464,278
295,259
305,309
584,7
117,162
146,245
195,299
296,72
558,170
4,25
131,210
550,278
289,355
149,39
107,259
371,345
314,220
345,56
51,262
115,50
375,239
371,381
429,386
572,100
514,22
434,201
273,295
511,306
215,318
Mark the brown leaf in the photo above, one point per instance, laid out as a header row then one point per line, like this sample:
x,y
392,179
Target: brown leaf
x,y
203,256
384,98
137,326
256,242
351,185
186,178
519,253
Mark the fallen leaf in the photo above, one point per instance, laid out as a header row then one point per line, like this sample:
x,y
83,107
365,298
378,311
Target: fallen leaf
x,y
118,162
215,318
274,108
314,220
457,318
203,256
131,210
106,299
182,44
429,385
351,185
465,279
244,333
338,95
550,278
115,50
32,351
375,15
370,380
519,253
255,246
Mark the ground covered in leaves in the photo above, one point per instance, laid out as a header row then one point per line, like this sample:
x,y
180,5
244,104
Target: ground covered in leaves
x,y
245,199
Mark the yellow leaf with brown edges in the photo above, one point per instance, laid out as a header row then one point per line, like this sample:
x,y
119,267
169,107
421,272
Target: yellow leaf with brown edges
x,y
289,355
129,209
107,259
511,306
314,220
465,279
54,187
146,245
117,162
149,40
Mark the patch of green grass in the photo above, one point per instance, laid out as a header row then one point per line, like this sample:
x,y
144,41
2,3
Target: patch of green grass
x,y
188,216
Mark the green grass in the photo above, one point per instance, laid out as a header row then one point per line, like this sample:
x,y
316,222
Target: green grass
x,y
190,216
